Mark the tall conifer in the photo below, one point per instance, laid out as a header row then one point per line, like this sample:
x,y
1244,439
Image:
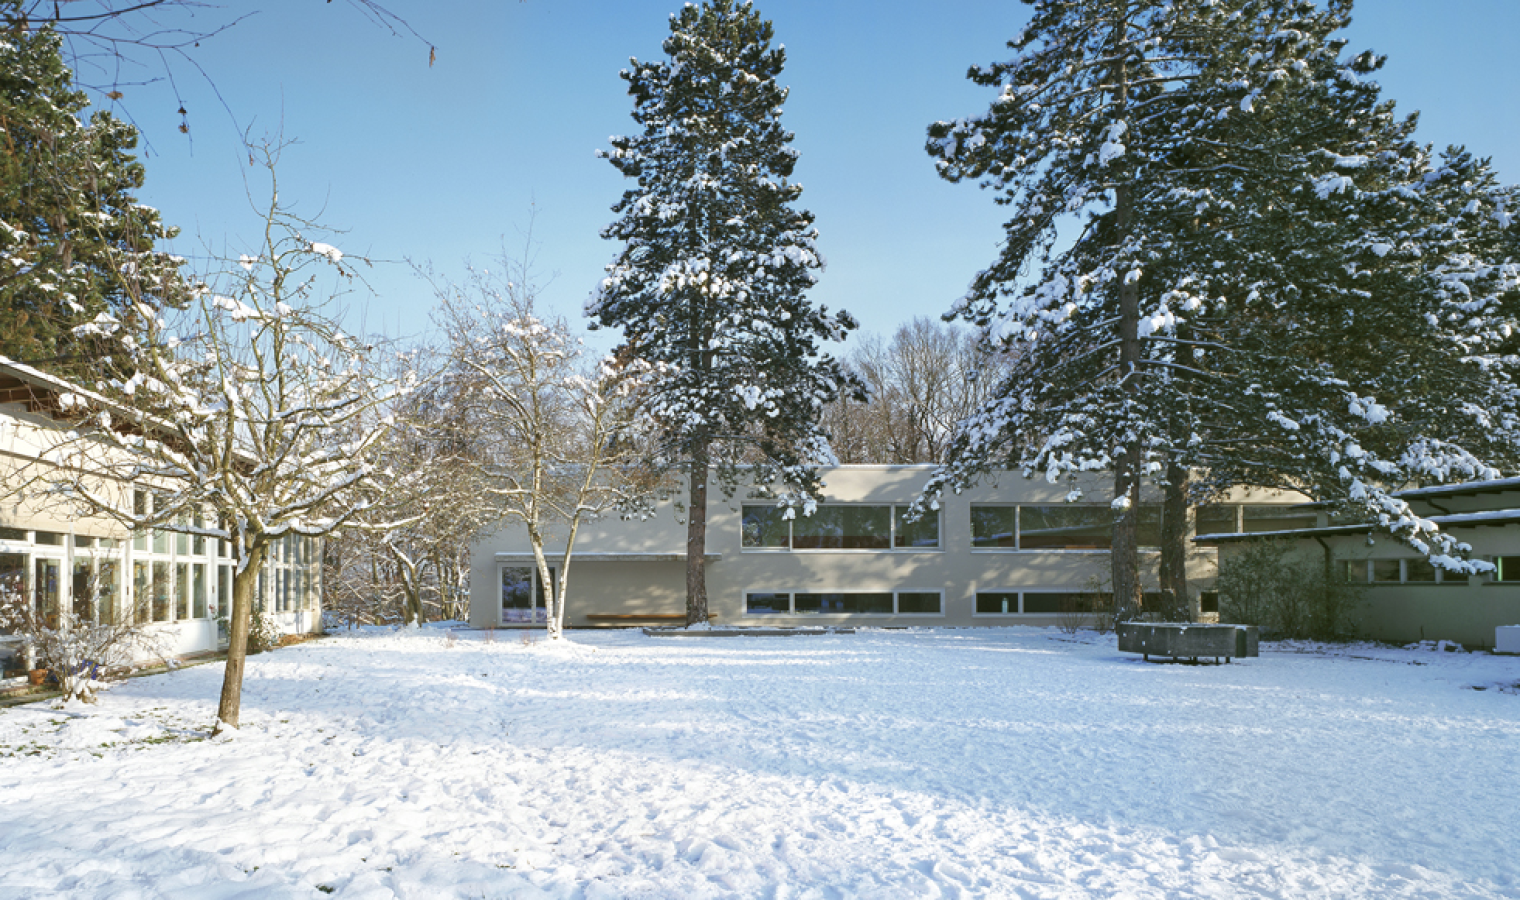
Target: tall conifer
x,y
74,242
709,285
1258,231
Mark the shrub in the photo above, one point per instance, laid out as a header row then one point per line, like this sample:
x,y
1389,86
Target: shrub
x,y
1267,585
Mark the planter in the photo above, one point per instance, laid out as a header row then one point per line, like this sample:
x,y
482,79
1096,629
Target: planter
x,y
36,677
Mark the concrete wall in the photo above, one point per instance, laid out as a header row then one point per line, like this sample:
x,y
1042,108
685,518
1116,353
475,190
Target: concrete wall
x,y
1465,609
626,585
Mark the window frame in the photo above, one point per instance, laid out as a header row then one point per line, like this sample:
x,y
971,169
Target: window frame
x,y
1019,592
791,605
893,512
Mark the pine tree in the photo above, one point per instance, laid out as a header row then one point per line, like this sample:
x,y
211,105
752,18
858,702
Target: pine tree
x,y
74,242
709,286
1094,115
1231,301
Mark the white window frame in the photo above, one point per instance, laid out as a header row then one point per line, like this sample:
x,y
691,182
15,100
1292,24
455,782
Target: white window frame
x,y
791,604
891,547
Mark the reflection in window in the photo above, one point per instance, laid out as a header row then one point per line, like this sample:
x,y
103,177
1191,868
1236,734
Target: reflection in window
x,y
1066,528
766,526
922,534
522,596
993,527
161,591
1386,571
105,587
843,604
767,604
843,528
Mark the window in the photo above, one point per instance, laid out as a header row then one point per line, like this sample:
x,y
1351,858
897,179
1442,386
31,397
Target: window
x,y
522,595
182,591
105,591
84,601
766,526
142,592
994,603
12,534
1275,518
161,592
48,538
840,527
918,603
843,603
1208,602
1419,570
1351,571
1506,568
1216,519
843,528
994,527
1386,571
1008,603
762,604
47,589
12,578
1066,528
922,534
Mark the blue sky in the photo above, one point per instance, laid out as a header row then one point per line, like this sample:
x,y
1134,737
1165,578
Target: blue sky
x,y
443,163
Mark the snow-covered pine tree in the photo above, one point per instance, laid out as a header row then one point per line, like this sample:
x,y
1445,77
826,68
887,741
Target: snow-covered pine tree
x,y
74,241
715,263
1249,204
1093,116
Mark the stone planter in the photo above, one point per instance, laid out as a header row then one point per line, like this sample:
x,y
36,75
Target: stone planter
x,y
1188,640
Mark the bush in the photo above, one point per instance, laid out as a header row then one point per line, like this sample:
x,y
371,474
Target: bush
x,y
1267,585
81,655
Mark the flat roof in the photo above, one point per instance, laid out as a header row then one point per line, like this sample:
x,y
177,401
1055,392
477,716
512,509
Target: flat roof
x,y
1493,517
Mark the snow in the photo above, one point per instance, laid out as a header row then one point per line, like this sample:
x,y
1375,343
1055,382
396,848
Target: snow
x,y
922,763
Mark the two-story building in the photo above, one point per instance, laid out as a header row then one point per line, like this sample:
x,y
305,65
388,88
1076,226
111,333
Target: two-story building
x,y
1013,551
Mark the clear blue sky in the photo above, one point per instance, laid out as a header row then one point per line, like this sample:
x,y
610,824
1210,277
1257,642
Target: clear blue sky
x,y
442,164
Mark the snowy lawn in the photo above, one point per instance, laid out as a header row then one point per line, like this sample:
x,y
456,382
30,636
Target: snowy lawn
x,y
972,763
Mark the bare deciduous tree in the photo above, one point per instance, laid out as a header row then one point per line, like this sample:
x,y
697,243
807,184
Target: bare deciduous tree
x,y
239,422
922,383
560,443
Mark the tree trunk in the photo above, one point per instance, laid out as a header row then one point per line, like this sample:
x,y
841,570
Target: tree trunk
x,y
696,536
244,581
1126,549
1174,546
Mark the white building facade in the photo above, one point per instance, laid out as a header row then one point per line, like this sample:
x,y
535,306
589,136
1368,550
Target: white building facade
x,y
1013,551
180,583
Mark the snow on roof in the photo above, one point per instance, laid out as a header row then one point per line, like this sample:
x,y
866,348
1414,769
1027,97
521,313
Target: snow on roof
x,y
1487,517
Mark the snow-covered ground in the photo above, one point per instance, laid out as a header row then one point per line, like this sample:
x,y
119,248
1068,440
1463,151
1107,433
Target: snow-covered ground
x,y
970,763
